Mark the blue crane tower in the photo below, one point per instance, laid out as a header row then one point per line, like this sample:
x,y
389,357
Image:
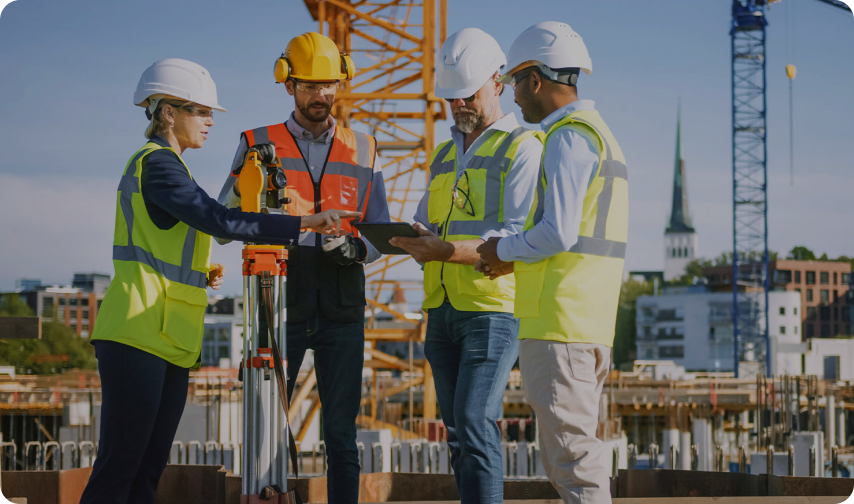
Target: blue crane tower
x,y
750,283
749,183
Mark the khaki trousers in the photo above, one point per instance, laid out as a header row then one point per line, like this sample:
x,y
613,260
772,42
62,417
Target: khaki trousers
x,y
563,383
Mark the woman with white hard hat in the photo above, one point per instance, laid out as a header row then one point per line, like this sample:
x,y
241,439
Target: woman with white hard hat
x,y
150,324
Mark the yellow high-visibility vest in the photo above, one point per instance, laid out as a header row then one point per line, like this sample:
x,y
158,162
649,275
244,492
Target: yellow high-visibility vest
x,y
157,300
572,297
466,289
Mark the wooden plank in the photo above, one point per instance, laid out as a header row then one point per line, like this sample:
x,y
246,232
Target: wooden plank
x,y
791,486
674,500
20,328
666,483
72,482
38,487
192,484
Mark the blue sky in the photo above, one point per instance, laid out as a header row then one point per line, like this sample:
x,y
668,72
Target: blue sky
x,y
67,124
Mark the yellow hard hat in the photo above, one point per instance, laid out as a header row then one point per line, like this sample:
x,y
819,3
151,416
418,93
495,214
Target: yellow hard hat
x,y
313,57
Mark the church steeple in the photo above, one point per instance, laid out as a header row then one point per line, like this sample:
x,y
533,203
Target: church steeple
x,y
680,219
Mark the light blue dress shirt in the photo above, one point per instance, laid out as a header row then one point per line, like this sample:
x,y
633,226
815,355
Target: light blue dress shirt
x,y
315,151
520,186
569,165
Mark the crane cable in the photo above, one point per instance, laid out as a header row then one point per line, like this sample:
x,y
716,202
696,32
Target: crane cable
x,y
790,73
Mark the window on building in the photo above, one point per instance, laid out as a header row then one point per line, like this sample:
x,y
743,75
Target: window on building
x,y
647,331
797,277
84,302
836,329
835,312
846,278
62,301
671,352
844,315
825,330
835,296
810,312
824,277
796,329
834,278
662,331
782,329
72,302
783,276
782,310
678,251
810,277
824,296
649,354
685,252
824,312
809,295
810,330
795,310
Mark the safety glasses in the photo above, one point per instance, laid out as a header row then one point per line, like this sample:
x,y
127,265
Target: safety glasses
x,y
467,100
193,109
520,76
317,87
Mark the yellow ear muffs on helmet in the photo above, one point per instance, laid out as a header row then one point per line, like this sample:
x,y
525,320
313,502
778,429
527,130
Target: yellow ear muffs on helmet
x,y
348,68
282,69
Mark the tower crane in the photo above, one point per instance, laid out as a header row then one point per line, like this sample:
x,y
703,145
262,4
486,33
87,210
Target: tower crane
x,y
750,180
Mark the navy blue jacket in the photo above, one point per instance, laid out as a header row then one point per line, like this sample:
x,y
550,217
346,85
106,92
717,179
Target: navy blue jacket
x,y
170,196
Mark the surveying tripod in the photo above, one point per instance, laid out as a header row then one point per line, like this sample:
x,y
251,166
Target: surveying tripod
x,y
267,437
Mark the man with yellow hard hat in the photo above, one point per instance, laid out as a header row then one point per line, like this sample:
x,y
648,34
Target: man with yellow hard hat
x,y
327,166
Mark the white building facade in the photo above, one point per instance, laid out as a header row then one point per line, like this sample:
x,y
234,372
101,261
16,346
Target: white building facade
x,y
693,328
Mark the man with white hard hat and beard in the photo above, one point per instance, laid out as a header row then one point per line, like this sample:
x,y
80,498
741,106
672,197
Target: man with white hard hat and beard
x,y
569,260
482,185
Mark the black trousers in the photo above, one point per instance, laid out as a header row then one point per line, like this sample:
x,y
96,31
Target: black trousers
x,y
143,398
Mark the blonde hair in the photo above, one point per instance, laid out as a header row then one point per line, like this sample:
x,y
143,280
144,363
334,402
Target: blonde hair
x,y
157,126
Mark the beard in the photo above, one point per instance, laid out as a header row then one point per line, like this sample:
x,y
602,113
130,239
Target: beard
x,y
313,114
469,121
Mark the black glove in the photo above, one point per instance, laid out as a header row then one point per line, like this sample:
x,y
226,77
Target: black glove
x,y
345,250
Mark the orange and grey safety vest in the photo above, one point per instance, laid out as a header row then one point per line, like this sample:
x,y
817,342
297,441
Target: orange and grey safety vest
x,y
315,282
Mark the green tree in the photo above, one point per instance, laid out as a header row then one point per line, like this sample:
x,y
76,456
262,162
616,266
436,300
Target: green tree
x,y
31,356
626,329
846,259
801,253
693,272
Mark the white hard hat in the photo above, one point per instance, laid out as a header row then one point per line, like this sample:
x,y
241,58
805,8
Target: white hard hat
x,y
468,59
550,43
178,78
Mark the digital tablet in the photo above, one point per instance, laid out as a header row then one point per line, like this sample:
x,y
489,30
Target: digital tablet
x,y
379,233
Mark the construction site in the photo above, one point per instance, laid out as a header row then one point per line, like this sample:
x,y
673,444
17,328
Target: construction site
x,y
755,431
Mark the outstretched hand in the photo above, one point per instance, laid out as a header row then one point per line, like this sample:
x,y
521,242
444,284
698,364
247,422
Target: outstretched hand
x,y
327,222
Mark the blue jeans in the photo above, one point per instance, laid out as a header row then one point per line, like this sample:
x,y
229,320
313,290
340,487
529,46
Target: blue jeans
x,y
338,358
471,354
143,398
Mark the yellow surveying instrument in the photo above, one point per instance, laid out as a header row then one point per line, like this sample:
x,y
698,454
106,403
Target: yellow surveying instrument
x,y
267,437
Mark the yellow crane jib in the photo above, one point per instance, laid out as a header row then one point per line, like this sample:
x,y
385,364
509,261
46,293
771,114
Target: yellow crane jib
x,y
261,182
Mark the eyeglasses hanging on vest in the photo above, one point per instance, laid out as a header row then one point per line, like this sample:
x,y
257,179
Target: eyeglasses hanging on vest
x,y
461,194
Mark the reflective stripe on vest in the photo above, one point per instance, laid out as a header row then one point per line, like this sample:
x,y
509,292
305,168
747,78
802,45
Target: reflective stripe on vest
x,y
157,299
180,273
572,296
346,177
486,171
609,169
